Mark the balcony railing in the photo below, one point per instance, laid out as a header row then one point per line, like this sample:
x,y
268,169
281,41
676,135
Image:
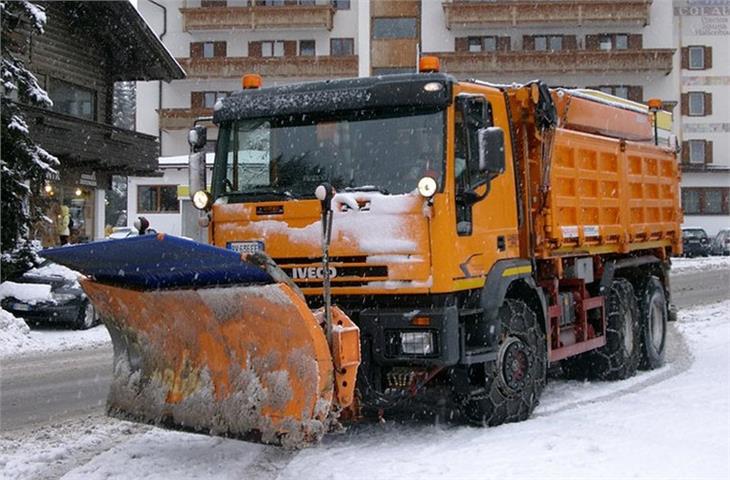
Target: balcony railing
x,y
258,17
181,118
290,67
558,62
464,14
92,144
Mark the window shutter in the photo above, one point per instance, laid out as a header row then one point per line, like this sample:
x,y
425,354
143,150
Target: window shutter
x,y
461,44
219,49
290,48
685,58
570,42
254,49
636,41
196,50
708,58
528,42
708,152
685,152
196,99
592,42
504,44
636,93
708,104
685,104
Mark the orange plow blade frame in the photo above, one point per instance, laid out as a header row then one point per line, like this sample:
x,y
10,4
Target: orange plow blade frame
x,y
250,362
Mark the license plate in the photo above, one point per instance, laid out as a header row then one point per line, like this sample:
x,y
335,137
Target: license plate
x,y
21,307
246,248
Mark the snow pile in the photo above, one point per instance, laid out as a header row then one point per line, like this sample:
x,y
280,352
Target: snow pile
x,y
698,264
14,334
31,293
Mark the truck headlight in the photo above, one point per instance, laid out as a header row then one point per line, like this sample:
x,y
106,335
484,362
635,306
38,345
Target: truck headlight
x,y
202,200
416,343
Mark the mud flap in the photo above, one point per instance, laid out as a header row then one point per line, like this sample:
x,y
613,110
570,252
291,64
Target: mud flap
x,y
245,361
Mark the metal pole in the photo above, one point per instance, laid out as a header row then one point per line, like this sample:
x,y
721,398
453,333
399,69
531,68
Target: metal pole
x,y
325,193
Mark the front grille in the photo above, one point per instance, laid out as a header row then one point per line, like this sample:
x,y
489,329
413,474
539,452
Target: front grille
x,y
347,271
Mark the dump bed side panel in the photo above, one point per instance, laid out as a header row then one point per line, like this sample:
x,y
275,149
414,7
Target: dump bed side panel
x,y
609,195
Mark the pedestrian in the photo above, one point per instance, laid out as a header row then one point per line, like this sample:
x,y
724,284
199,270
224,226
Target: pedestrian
x,y
63,222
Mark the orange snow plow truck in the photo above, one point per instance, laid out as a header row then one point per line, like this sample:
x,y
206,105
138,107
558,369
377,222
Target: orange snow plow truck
x,y
471,236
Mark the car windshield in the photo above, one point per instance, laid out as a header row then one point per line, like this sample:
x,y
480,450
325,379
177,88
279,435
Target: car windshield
x,y
368,150
694,233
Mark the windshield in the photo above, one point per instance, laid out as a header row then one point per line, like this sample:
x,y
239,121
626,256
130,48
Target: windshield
x,y
694,233
366,150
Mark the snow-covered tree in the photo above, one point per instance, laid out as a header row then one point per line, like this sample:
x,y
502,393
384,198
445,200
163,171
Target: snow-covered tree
x,y
24,164
124,105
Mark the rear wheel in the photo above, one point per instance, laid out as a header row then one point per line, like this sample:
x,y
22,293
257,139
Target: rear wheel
x,y
87,316
619,358
653,309
509,388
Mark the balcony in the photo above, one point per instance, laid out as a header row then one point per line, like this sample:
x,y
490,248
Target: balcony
x,y
277,67
182,118
78,142
558,62
258,17
464,14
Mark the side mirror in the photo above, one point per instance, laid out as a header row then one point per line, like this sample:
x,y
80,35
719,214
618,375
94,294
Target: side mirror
x,y
491,151
197,137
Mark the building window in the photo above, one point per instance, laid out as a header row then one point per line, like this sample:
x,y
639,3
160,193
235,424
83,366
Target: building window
x,y
342,46
72,99
690,201
482,44
157,199
621,42
392,70
706,201
213,3
210,98
307,48
270,3
394,28
208,50
272,48
341,4
696,104
696,151
548,42
696,58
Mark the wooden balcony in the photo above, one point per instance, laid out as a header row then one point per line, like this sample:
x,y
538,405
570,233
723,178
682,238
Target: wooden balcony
x,y
258,17
182,118
657,60
93,145
277,67
469,14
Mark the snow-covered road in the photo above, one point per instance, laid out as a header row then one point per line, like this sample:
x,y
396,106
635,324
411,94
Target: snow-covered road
x,y
670,423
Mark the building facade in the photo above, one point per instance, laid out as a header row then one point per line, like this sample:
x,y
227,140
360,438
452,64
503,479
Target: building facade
x,y
704,115
629,48
85,49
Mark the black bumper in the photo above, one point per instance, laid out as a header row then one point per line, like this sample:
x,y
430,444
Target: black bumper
x,y
43,313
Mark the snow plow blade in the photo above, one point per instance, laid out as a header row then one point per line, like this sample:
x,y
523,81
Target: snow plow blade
x,y
244,360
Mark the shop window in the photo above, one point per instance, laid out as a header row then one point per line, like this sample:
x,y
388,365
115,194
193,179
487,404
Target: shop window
x,y
394,28
72,99
157,199
342,46
307,48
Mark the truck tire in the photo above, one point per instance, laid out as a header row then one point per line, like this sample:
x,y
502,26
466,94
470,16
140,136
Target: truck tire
x,y
512,384
619,358
653,320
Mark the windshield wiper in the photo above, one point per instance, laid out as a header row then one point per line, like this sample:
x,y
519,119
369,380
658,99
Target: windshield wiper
x,y
368,188
263,192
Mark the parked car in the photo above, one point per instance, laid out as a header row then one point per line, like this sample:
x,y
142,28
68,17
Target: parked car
x,y
64,303
721,243
695,242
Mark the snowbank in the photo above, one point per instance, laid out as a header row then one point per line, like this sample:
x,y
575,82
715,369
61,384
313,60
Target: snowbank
x,y
17,339
688,265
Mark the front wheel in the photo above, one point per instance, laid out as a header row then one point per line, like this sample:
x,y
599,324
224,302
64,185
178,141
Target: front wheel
x,y
654,315
87,316
508,389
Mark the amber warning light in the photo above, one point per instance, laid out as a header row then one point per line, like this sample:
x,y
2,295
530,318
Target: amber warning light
x,y
429,64
251,80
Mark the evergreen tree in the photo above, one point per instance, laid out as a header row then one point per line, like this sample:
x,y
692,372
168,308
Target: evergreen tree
x,y
124,105
24,164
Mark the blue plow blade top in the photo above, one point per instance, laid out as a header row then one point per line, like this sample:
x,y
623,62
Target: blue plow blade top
x,y
157,261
